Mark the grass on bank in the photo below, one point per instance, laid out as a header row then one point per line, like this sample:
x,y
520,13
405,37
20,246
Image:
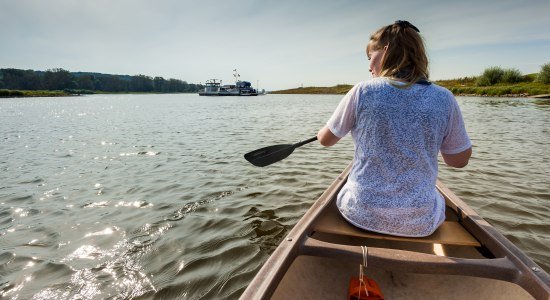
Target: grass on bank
x,y
463,87
494,81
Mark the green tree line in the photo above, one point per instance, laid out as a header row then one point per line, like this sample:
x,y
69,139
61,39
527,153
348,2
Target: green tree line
x,y
84,82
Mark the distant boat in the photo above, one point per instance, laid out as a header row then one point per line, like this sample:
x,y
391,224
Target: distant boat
x,y
214,87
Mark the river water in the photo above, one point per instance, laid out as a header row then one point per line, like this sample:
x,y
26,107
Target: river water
x,y
127,196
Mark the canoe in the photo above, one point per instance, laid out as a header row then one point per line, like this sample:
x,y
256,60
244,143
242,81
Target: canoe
x,y
465,258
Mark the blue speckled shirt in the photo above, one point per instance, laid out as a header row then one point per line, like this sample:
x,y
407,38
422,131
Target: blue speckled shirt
x,y
398,134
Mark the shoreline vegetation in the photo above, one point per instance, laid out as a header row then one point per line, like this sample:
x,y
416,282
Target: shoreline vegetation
x,y
24,93
493,82
66,93
60,82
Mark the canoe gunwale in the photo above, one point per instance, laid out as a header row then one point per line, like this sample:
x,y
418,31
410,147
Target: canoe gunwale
x,y
536,283
510,264
272,272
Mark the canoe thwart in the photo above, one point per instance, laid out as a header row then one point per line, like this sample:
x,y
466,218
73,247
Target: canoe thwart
x,y
415,262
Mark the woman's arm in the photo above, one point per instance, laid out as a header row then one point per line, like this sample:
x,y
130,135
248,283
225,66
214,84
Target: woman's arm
x,y
326,137
342,120
458,160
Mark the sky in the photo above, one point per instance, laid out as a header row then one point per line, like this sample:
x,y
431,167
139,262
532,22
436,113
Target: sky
x,y
274,44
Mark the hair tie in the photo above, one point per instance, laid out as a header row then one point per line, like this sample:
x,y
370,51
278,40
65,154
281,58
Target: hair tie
x,y
406,24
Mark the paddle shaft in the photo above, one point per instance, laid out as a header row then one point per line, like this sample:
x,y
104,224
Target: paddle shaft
x,y
299,144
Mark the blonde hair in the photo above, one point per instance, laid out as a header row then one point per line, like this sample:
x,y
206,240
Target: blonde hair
x,y
405,57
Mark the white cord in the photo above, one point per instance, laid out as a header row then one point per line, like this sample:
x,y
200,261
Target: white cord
x,y
362,267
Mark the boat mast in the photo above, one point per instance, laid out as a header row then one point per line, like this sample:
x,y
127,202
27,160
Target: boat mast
x,y
236,75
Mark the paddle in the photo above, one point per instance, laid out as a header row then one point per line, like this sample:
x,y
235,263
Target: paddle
x,y
272,154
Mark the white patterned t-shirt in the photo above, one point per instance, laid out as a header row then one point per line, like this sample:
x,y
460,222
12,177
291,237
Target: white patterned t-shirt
x,y
398,133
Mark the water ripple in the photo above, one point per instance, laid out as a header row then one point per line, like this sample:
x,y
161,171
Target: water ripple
x,y
126,196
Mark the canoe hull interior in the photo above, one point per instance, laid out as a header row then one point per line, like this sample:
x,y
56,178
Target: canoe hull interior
x,y
312,277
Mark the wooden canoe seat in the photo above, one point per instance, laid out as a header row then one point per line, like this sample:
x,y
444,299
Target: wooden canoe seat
x,y
449,233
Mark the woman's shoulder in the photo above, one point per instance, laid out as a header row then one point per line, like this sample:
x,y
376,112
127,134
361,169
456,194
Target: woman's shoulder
x,y
441,91
373,83
383,84
440,95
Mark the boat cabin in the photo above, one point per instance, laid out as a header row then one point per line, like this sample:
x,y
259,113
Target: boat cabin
x,y
212,86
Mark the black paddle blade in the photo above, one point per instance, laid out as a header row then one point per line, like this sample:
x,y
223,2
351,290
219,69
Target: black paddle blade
x,y
268,155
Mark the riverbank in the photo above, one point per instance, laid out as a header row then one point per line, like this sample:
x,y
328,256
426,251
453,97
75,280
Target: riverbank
x,y
23,93
65,93
459,87
467,87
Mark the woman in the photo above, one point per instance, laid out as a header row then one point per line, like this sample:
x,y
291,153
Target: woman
x,y
399,122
